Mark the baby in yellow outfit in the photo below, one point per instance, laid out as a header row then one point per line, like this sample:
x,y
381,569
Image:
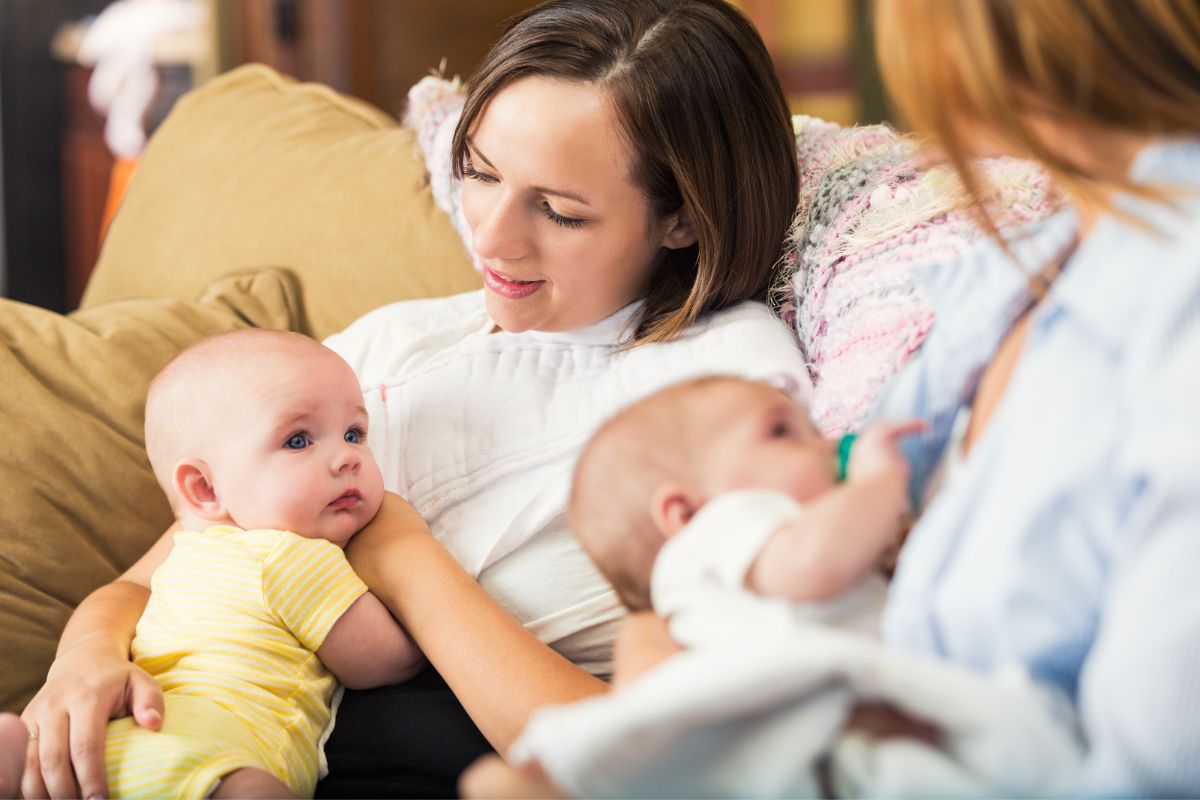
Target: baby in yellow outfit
x,y
259,439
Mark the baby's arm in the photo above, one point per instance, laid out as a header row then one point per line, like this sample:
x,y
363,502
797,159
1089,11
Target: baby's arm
x,y
841,535
366,647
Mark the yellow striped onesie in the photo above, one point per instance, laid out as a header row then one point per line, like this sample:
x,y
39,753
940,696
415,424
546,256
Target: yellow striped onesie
x,y
230,633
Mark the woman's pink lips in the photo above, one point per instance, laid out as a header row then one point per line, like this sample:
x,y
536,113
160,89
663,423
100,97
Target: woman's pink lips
x,y
507,288
346,500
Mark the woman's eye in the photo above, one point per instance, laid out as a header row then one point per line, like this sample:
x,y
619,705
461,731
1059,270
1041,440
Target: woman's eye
x,y
355,435
559,219
297,441
470,173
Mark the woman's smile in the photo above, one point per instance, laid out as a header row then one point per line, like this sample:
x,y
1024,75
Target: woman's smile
x,y
507,286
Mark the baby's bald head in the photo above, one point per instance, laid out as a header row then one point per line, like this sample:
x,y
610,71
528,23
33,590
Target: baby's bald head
x,y
195,394
648,444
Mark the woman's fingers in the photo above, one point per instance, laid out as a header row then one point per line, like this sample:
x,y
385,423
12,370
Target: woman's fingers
x,y
68,758
54,753
32,785
145,700
89,722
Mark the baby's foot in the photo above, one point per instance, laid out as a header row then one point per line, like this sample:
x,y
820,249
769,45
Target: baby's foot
x,y
14,739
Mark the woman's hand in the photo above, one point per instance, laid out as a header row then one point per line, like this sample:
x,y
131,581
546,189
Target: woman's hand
x,y
89,683
881,721
491,777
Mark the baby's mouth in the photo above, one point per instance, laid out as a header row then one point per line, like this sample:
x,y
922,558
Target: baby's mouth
x,y
346,499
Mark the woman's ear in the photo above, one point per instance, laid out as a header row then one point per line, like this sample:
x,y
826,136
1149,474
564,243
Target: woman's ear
x,y
672,505
195,490
679,231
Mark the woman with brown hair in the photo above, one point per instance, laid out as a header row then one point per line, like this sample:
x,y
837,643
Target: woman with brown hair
x,y
629,177
1062,379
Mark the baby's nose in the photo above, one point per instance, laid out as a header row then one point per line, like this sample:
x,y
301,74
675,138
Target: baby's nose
x,y
347,458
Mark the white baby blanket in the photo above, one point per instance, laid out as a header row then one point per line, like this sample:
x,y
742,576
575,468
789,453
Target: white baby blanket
x,y
754,719
760,696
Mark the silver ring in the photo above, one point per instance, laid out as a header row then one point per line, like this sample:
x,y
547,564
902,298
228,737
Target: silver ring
x,y
33,737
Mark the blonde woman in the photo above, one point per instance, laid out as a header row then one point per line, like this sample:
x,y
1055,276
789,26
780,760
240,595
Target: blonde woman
x,y
1063,377
1060,480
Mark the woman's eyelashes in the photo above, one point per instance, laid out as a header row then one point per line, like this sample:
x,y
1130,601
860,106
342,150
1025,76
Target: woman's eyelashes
x,y
559,219
472,174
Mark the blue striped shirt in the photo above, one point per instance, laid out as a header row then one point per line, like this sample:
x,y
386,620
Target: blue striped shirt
x,y
1068,542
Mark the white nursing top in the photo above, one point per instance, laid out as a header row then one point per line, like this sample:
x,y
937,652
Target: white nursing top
x,y
480,431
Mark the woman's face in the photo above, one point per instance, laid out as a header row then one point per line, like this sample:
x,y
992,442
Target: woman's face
x,y
563,235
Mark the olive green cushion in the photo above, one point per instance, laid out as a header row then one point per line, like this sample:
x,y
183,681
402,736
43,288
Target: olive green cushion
x,y
78,502
254,169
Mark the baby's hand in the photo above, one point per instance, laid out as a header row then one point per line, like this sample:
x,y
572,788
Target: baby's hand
x,y
876,453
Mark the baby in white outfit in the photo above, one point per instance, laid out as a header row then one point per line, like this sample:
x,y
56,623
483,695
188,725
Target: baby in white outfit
x,y
717,503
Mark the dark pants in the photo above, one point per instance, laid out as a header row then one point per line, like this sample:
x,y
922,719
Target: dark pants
x,y
409,740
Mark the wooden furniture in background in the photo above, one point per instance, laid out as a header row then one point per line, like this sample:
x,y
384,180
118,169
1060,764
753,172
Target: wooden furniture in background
x,y
373,49
86,168
31,117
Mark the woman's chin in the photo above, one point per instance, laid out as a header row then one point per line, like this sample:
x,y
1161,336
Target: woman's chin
x,y
509,315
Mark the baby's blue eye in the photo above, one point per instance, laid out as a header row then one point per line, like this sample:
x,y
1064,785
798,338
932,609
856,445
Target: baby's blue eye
x,y
297,441
354,436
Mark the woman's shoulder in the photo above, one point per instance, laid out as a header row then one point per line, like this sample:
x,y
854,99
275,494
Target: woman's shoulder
x,y
744,339
379,343
747,317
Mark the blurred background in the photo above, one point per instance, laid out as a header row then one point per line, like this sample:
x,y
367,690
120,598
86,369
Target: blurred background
x,y
84,82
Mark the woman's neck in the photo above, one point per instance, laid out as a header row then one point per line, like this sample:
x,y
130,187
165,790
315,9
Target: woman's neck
x,y
1104,154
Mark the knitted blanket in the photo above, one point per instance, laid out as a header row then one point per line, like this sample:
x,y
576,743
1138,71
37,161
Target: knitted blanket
x,y
869,211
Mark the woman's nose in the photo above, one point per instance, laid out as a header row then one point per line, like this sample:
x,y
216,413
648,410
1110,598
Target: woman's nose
x,y
499,233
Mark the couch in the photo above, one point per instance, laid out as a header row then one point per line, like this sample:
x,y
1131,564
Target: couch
x,y
264,202
259,201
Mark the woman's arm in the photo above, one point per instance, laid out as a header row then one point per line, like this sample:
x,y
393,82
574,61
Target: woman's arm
x,y
499,671
90,682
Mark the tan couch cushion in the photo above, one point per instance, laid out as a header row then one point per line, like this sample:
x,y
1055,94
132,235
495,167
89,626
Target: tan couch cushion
x,y
78,502
254,169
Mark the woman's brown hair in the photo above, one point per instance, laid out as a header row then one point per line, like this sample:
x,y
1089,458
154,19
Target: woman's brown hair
x,y
959,68
708,125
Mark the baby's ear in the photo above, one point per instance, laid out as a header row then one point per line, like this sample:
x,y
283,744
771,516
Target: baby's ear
x,y
672,505
195,490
